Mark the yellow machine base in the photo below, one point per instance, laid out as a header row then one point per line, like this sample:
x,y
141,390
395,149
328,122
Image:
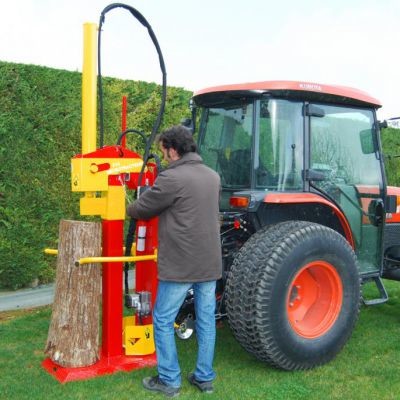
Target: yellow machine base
x,y
138,340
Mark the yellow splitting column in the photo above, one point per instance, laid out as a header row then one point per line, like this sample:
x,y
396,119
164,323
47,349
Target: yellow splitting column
x,y
89,88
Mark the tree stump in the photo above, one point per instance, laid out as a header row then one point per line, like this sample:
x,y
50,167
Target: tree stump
x,y
73,338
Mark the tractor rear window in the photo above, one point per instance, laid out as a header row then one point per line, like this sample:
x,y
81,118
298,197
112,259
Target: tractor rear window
x,y
227,144
265,156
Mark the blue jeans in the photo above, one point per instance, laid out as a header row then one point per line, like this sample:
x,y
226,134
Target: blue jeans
x,y
170,296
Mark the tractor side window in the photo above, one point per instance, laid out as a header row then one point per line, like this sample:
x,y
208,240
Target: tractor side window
x,y
279,161
226,144
342,147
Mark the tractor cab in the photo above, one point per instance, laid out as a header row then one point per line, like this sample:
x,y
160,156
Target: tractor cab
x,y
299,151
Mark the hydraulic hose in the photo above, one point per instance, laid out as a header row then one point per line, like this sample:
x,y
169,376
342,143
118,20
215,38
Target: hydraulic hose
x,y
124,133
128,246
156,125
153,37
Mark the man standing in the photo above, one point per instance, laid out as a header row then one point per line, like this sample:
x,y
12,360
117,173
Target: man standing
x,y
185,197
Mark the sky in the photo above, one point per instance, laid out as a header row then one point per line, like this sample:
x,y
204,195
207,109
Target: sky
x,y
213,42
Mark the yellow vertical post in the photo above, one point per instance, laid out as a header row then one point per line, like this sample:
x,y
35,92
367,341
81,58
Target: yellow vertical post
x,y
89,88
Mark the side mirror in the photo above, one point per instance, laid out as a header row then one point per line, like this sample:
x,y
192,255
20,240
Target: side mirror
x,y
314,175
190,123
186,122
383,124
311,110
368,142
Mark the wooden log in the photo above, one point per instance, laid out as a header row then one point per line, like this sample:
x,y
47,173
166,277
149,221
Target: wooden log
x,y
73,338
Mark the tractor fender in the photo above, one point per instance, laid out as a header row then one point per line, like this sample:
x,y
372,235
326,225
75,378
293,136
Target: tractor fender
x,y
309,198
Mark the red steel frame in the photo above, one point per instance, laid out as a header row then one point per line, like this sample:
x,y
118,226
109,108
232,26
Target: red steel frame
x,y
112,358
124,119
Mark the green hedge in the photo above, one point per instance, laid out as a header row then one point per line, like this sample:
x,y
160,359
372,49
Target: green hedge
x,y
40,130
391,147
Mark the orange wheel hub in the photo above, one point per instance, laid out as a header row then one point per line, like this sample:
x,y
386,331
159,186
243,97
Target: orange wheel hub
x,y
314,299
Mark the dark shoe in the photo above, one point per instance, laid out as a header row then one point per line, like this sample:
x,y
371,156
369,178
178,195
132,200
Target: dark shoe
x,y
205,387
155,384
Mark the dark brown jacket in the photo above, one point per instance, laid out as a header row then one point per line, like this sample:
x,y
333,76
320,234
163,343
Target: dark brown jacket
x,y
185,196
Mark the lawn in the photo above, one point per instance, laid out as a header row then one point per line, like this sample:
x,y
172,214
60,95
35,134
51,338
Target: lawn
x,y
367,368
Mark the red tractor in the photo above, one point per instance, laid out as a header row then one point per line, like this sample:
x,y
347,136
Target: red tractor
x,y
306,214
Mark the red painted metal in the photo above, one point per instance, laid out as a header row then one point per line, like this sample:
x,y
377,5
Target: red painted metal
x,y
123,119
112,289
112,356
314,299
106,365
109,152
146,271
292,198
150,175
282,86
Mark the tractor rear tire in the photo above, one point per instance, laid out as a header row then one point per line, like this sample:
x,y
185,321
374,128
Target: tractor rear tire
x,y
293,294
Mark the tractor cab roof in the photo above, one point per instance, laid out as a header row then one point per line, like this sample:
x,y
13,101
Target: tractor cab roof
x,y
306,91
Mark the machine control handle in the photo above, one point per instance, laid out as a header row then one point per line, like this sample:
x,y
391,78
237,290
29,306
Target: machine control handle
x,y
99,167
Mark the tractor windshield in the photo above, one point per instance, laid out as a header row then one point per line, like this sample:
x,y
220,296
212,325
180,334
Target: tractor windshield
x,y
254,145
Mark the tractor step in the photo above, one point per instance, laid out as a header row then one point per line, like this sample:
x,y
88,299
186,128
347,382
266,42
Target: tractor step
x,y
382,291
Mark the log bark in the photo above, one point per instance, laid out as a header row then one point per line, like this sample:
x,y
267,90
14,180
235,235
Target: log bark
x,y
73,338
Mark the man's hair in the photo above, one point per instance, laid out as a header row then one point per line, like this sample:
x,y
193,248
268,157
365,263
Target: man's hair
x,y
178,138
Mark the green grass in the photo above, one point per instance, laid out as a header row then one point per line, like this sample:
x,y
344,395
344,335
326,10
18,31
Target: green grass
x,y
367,368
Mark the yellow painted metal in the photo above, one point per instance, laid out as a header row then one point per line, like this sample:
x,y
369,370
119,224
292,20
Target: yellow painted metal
x,y
90,260
137,339
55,251
110,206
84,178
115,203
89,88
91,205
90,175
51,251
